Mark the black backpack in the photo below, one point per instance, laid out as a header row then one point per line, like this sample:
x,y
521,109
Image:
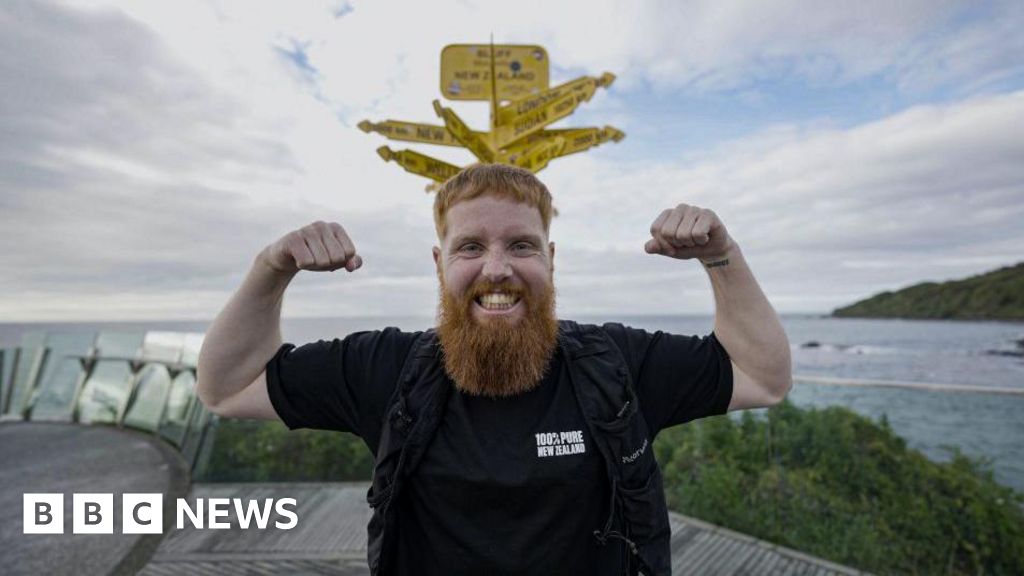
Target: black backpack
x,y
603,387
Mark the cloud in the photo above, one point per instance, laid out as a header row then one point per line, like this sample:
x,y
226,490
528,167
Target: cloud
x,y
935,192
382,57
129,180
371,61
148,151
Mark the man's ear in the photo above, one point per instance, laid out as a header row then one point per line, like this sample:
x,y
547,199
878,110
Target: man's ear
x,y
437,258
551,254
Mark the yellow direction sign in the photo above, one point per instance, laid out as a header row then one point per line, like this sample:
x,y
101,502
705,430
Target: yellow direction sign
x,y
534,120
576,140
583,88
536,157
580,139
411,132
471,140
520,70
421,164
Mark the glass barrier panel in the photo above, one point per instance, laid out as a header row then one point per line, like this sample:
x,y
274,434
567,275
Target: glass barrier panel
x,y
190,351
176,412
6,368
163,346
205,450
147,402
104,392
107,388
55,395
32,344
121,344
196,430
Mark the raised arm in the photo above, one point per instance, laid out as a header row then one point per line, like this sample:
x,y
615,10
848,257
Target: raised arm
x,y
745,322
247,333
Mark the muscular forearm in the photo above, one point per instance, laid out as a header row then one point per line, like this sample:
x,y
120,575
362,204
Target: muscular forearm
x,y
247,332
746,324
244,336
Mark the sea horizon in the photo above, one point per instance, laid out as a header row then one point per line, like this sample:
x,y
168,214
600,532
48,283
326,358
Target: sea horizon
x,y
983,354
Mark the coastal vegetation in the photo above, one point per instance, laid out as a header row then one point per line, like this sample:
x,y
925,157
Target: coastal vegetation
x,y
256,451
827,482
840,486
996,295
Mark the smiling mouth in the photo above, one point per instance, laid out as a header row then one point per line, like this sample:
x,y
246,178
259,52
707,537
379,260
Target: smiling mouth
x,y
496,301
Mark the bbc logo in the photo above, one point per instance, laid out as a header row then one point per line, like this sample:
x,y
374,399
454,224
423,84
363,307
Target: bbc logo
x,y
93,514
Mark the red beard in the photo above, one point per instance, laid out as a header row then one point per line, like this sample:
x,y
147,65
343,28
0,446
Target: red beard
x,y
496,358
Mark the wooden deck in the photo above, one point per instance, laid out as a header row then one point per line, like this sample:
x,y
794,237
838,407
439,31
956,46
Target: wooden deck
x,y
330,539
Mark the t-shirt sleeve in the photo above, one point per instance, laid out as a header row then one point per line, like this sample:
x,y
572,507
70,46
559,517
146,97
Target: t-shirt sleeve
x,y
341,385
678,378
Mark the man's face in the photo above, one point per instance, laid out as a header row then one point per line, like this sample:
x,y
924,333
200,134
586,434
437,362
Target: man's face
x,y
493,241
496,320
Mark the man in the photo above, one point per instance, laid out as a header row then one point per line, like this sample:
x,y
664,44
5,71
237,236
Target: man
x,y
512,476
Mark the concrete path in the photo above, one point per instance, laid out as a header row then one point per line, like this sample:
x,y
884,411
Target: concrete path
x,y
40,457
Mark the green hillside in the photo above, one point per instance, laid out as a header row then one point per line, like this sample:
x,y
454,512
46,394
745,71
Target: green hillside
x,y
996,295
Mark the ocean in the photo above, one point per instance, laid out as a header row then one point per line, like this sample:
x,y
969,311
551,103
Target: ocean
x,y
981,424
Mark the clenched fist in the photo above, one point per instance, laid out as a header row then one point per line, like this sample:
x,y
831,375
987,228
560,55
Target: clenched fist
x,y
318,246
688,232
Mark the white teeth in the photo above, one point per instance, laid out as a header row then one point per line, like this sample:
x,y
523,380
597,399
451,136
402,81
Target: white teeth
x,y
497,301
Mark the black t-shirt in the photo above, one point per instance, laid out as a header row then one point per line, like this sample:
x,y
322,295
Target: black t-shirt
x,y
508,486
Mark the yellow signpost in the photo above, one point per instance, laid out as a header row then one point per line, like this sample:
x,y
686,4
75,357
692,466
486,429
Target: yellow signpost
x,y
457,128
536,157
583,88
576,140
421,164
411,132
514,79
466,71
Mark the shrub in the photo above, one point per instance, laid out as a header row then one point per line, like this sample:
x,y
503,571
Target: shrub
x,y
837,485
253,451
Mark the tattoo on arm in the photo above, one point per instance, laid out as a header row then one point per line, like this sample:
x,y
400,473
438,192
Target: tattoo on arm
x,y
717,263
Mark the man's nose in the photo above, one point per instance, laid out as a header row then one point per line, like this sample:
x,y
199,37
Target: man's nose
x,y
496,267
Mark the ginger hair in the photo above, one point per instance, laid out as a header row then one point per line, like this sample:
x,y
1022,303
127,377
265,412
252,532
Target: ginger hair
x,y
497,180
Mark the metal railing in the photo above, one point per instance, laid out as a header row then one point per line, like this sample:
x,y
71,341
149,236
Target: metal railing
x,y
150,388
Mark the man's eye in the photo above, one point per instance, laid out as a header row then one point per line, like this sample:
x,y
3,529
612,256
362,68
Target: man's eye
x,y
522,246
470,248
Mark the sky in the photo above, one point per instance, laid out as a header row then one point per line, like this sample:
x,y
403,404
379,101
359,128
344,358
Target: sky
x,y
150,150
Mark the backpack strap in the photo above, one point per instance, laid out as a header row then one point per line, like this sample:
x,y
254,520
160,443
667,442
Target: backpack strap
x,y
409,407
410,422
423,394
603,385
